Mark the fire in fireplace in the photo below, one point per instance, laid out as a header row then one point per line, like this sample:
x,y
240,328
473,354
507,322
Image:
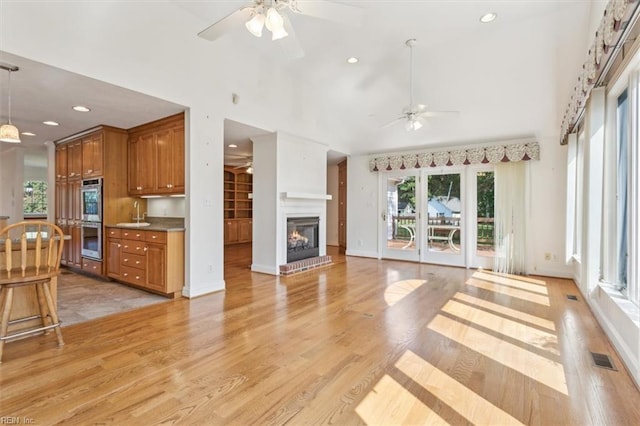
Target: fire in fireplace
x,y
302,238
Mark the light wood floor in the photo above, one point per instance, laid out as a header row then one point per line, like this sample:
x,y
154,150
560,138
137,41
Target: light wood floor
x,y
359,342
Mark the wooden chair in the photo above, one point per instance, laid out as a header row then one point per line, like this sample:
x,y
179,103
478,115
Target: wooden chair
x,y
30,254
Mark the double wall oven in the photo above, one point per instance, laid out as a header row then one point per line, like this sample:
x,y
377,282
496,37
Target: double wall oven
x,y
91,228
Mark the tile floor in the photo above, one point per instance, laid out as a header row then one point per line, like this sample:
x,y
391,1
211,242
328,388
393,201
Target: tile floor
x,y
82,298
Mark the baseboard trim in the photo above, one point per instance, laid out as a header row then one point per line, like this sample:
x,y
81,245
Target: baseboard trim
x,y
264,269
200,290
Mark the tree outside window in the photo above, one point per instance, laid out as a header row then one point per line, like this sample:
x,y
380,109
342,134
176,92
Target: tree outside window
x,y
35,197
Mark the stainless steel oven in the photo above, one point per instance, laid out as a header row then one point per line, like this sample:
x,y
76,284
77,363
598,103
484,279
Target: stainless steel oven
x,y
91,200
91,237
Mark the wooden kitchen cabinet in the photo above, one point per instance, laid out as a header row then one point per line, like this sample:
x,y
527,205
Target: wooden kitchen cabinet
x,y
92,156
97,152
156,157
231,232
61,163
153,260
74,160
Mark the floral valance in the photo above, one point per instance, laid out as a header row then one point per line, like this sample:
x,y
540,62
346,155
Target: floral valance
x,y
457,157
602,50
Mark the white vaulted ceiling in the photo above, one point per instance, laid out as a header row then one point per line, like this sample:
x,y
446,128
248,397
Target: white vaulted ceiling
x,y
509,79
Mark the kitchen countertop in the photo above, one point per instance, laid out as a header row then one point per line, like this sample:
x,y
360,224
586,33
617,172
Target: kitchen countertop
x,y
167,224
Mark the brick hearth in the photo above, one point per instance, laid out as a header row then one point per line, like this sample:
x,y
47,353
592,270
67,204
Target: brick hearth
x,y
305,265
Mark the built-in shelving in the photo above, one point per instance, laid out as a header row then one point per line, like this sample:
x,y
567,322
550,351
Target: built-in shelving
x,y
238,205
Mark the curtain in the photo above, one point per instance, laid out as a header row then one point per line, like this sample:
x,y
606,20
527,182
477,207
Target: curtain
x,y
510,218
622,192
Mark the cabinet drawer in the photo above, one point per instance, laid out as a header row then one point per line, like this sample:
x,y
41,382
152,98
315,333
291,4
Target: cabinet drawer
x,y
114,232
92,266
135,247
133,275
132,235
156,236
133,260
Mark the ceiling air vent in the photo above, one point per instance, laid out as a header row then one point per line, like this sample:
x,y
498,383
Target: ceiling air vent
x,y
603,361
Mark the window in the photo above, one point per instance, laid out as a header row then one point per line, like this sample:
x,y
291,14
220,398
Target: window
x,y
35,198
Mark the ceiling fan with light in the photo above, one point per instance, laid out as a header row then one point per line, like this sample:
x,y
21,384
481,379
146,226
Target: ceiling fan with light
x,y
413,115
273,14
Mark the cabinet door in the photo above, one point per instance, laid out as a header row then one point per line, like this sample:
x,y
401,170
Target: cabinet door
x,y
74,160
245,231
142,165
61,162
231,232
156,266
75,212
92,158
66,250
164,176
177,160
113,258
61,202
76,247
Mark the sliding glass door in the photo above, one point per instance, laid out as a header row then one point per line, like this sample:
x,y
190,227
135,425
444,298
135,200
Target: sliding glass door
x,y
443,207
440,216
399,226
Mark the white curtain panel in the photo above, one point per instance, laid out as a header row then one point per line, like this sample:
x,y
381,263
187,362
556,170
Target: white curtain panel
x,y
510,218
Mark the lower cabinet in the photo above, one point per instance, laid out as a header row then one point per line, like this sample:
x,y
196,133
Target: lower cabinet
x,y
153,260
238,231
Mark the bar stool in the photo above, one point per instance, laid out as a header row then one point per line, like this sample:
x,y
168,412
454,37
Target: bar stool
x,y
30,253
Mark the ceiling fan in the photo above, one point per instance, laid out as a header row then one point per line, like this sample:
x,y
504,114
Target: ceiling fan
x,y
413,115
242,162
273,14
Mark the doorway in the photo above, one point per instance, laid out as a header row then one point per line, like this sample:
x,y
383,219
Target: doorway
x,y
442,216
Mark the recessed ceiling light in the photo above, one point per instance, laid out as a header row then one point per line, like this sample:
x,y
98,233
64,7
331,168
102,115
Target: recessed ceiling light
x,y
488,17
353,60
51,123
232,145
28,134
81,108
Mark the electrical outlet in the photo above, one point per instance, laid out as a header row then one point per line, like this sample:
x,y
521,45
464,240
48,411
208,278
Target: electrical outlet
x,y
547,256
211,268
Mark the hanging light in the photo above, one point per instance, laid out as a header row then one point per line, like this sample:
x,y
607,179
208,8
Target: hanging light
x,y
8,132
413,124
272,19
255,24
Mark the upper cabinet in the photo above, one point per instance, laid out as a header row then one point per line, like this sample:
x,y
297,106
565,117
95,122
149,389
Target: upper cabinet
x,y
156,157
92,156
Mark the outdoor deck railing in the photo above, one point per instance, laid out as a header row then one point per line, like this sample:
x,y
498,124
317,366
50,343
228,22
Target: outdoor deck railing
x,y
485,227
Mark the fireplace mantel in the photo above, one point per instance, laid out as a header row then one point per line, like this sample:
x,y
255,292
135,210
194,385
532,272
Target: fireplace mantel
x,y
305,196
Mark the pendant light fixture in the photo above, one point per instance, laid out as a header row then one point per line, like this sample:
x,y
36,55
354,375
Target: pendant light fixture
x,y
8,132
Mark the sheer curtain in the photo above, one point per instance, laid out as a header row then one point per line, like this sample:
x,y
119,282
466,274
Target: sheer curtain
x,y
510,218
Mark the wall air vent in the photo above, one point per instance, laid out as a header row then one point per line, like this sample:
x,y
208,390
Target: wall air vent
x,y
603,361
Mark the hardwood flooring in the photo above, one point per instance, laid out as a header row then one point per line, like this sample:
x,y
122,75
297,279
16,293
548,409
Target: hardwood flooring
x,y
359,342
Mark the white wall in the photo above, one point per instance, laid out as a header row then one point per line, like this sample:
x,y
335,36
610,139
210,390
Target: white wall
x,y
11,175
153,48
265,200
332,206
363,212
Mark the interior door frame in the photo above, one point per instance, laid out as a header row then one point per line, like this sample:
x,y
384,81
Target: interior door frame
x,y
389,253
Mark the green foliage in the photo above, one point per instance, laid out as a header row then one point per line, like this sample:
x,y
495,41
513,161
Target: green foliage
x,y
407,190
35,197
485,194
438,186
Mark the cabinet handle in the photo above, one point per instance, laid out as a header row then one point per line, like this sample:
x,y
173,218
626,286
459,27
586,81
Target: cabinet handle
x,y
138,248
137,262
119,246
72,174
125,260
137,235
139,188
145,249
90,171
137,277
168,185
125,274
153,237
126,247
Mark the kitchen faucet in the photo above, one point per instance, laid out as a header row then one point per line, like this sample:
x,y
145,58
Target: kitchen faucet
x,y
137,207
